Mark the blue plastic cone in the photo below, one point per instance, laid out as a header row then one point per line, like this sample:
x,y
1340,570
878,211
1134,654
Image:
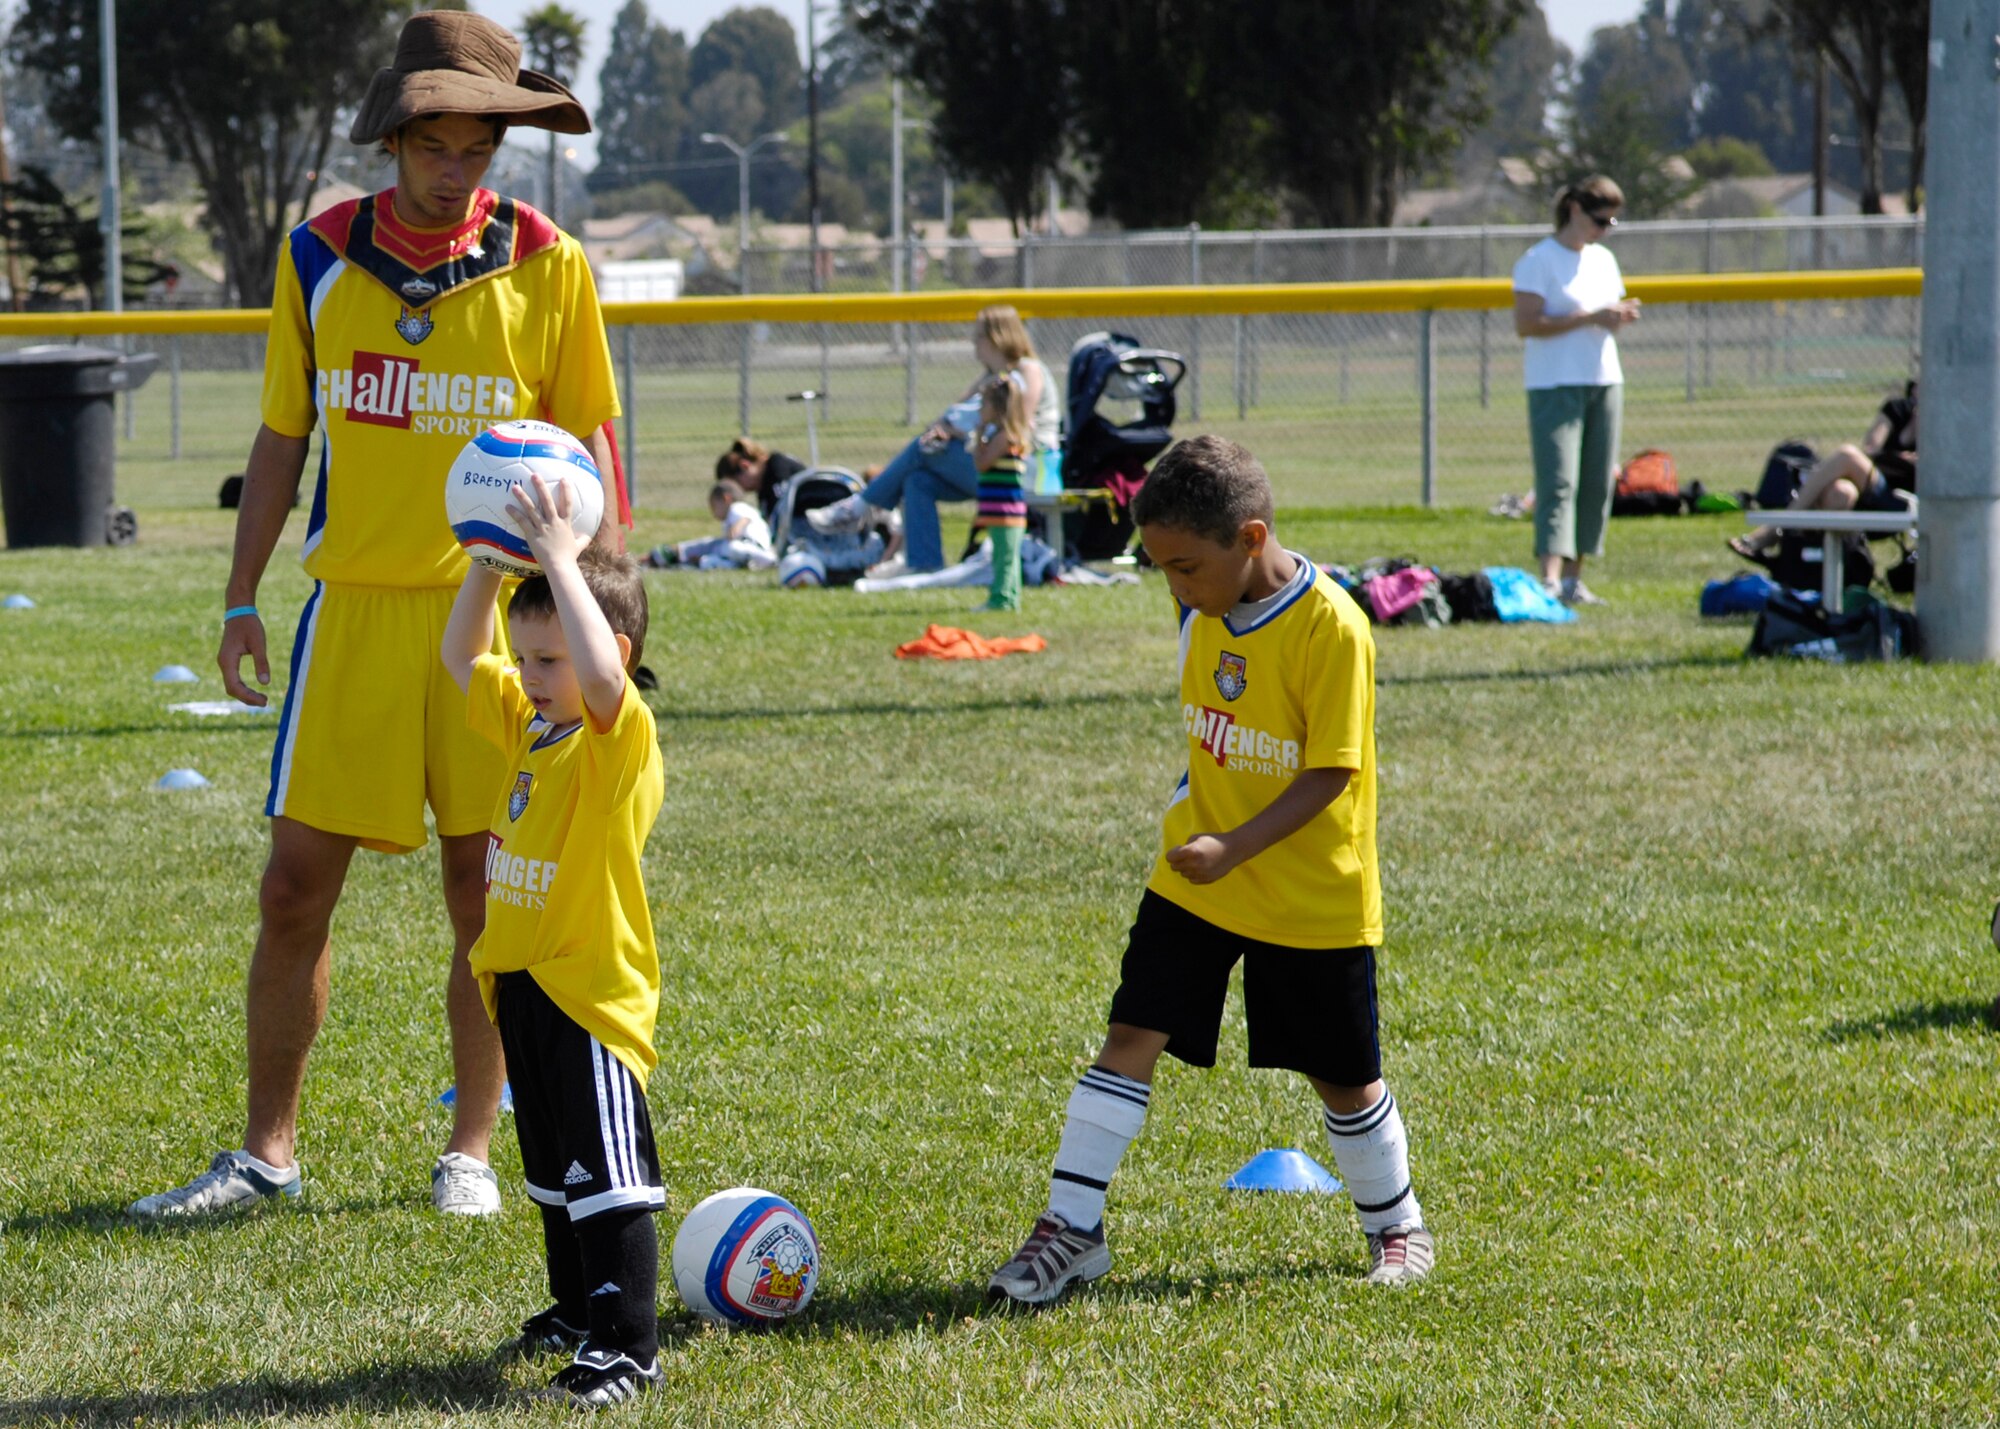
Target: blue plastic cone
x,y
450,1095
181,779
175,675
17,601
1283,1171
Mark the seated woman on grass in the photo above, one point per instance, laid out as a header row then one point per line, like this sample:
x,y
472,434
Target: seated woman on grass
x,y
1878,475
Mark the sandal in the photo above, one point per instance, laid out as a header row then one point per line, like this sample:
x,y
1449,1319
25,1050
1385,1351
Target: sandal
x,y
1746,548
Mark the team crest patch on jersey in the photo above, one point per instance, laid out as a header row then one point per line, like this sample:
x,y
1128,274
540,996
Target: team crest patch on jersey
x,y
517,802
414,326
1232,675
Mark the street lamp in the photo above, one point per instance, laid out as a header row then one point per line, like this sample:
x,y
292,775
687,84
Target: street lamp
x,y
742,154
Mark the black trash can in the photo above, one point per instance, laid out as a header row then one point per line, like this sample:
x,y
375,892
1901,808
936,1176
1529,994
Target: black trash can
x,y
58,439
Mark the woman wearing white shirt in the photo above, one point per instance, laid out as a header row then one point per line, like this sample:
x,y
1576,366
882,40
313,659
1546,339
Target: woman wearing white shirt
x,y
1569,300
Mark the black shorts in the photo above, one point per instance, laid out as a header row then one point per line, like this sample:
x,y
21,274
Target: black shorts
x,y
1309,1010
580,1114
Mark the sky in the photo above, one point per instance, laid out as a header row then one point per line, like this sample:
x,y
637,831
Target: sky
x,y
1570,20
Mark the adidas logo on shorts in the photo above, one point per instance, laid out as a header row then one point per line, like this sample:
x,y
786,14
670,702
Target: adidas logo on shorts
x,y
576,1175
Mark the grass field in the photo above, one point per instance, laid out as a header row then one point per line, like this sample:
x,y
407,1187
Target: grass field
x,y
1683,997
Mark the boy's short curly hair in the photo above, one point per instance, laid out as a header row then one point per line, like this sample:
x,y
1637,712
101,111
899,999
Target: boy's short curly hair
x,y
615,585
1208,485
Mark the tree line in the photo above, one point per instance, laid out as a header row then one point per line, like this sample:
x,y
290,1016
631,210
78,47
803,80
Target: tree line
x,y
1153,113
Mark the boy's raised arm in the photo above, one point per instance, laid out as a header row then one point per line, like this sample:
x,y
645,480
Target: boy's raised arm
x,y
469,632
593,646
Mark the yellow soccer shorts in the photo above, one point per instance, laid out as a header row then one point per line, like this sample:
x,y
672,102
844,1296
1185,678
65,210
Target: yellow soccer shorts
x,y
373,726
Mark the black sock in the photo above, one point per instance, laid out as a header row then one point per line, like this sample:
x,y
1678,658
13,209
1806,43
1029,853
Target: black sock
x,y
565,1263
621,1266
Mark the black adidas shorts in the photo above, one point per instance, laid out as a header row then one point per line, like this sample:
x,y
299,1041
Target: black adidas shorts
x,y
1309,1010
586,1138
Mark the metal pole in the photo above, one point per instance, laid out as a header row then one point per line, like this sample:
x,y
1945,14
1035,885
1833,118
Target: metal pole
x,y
1242,402
742,220
1689,323
896,185
1958,544
1256,324
812,140
1427,382
910,376
1194,325
1485,323
1708,313
109,220
174,390
743,370
631,415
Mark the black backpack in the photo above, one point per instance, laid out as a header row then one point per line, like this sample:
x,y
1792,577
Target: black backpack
x,y
1801,629
1784,473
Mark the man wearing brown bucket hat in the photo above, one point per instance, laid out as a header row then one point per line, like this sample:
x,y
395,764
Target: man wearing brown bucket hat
x,y
403,323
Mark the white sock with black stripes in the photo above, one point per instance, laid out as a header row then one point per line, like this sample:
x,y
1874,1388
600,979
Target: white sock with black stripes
x,y
1374,1161
1105,1113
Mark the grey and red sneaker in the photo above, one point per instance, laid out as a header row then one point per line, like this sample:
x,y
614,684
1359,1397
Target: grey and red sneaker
x,y
1054,1257
1400,1255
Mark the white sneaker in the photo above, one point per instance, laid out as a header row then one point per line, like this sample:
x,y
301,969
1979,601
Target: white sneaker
x,y
230,1183
888,570
1575,592
461,1186
849,513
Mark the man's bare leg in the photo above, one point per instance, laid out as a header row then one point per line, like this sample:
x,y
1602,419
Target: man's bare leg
x,y
478,1069
287,995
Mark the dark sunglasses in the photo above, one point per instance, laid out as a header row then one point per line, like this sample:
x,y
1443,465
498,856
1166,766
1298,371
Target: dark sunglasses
x,y
1602,220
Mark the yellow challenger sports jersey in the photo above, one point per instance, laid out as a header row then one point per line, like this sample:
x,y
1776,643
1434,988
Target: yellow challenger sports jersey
x,y
402,345
1293,688
564,898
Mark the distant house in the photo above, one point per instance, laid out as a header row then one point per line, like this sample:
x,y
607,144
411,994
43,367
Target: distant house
x,y
1778,195
632,237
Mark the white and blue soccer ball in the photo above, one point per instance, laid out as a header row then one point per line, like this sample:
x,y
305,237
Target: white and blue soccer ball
x,y
801,568
481,482
746,1257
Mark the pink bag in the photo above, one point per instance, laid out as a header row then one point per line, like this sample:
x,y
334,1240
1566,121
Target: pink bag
x,y
1389,596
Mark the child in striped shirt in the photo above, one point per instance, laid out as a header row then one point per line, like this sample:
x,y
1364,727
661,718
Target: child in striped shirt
x,y
1005,432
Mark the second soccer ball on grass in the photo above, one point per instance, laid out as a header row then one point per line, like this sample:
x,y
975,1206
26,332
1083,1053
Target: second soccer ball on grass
x,y
746,1257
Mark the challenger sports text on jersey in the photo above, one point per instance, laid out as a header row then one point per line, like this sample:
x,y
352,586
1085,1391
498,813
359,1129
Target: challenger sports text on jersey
x,y
385,390
1238,747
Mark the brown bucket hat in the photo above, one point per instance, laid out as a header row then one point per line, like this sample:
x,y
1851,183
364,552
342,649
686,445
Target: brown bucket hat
x,y
455,62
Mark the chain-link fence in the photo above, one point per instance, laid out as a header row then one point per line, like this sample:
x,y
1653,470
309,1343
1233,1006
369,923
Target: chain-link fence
x,y
1192,255
1343,407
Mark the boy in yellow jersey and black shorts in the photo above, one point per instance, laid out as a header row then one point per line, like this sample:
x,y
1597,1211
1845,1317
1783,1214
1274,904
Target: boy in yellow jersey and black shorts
x,y
567,966
1268,857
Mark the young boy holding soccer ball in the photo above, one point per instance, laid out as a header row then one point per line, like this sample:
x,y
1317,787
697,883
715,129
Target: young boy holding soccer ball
x,y
1268,857
567,965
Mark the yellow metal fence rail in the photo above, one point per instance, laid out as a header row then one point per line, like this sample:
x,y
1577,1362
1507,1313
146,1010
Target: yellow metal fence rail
x,y
961,305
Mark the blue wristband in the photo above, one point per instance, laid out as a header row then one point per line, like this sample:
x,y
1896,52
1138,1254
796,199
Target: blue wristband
x,y
236,610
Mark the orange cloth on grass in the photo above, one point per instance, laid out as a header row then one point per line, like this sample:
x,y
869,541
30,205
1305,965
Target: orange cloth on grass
x,y
948,642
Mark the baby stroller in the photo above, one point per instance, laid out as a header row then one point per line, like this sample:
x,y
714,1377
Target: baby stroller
x,y
1121,411
841,556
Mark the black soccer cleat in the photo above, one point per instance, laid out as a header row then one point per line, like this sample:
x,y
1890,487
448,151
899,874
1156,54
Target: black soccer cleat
x,y
548,1333
598,1378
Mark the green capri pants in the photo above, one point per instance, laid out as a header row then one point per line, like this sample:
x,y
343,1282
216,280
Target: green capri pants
x,y
1573,432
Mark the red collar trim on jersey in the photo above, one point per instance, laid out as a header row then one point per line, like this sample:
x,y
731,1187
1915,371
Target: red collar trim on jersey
x,y
419,266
